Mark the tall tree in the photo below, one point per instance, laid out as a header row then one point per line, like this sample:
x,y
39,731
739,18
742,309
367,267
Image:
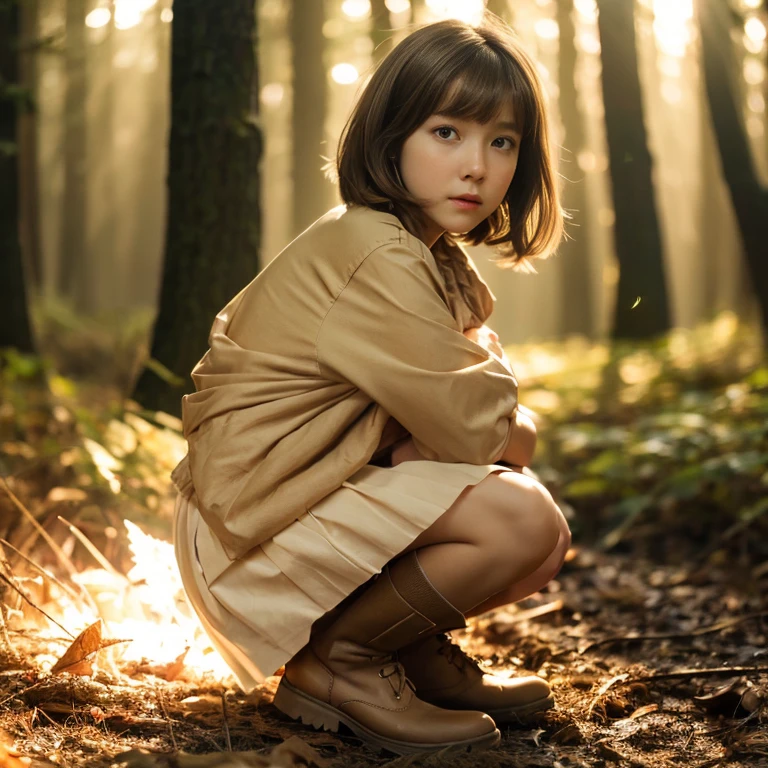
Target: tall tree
x,y
28,176
311,191
574,253
73,279
749,195
381,30
214,225
15,330
636,229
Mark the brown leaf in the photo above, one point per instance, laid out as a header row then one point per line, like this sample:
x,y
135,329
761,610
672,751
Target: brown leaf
x,y
175,668
642,711
736,699
570,734
75,658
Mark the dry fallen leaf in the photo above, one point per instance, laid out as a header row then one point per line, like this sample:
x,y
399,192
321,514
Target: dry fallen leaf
x,y
735,699
76,659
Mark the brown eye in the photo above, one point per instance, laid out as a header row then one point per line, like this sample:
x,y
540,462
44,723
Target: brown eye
x,y
444,131
510,145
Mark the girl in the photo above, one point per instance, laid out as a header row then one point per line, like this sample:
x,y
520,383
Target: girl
x,y
352,489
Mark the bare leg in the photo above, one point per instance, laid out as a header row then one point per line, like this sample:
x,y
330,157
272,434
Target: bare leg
x,y
498,533
533,583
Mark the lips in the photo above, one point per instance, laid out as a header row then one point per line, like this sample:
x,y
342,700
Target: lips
x,y
470,198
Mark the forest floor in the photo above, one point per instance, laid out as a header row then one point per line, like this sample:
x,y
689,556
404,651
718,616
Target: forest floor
x,y
651,665
654,636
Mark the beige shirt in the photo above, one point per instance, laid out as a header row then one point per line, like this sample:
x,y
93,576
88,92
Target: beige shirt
x,y
348,340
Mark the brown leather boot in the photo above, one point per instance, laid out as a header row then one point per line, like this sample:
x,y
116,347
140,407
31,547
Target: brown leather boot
x,y
445,676
347,673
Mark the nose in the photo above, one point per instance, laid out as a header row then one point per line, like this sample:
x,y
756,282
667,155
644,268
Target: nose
x,y
474,162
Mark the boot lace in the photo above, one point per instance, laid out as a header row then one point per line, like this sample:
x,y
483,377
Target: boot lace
x,y
394,669
454,654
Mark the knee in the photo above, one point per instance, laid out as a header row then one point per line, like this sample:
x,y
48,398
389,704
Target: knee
x,y
525,518
544,520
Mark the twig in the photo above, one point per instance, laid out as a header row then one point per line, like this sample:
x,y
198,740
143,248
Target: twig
x,y
706,672
65,561
168,720
90,546
19,693
226,719
534,613
71,592
4,630
37,607
57,550
720,625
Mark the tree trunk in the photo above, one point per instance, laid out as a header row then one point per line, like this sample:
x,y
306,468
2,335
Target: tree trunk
x,y
750,198
213,227
636,229
381,30
576,304
28,195
15,330
73,279
311,190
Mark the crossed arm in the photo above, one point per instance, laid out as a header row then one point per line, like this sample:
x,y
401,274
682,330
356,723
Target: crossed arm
x,y
522,438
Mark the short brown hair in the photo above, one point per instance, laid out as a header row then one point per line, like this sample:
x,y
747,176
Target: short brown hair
x,y
467,72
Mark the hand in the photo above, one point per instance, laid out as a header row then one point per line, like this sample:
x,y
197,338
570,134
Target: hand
x,y
522,441
489,340
532,415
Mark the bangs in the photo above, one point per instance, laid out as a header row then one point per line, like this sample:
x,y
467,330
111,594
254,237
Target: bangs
x,y
485,82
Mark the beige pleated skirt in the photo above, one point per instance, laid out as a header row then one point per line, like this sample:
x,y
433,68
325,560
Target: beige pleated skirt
x,y
258,610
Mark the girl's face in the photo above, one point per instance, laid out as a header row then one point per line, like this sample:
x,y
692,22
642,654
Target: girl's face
x,y
461,169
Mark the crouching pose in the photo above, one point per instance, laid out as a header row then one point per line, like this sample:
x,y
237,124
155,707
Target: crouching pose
x,y
352,489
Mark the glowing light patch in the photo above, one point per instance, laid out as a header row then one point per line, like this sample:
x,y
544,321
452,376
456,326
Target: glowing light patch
x,y
397,6
356,9
98,17
345,74
754,29
272,94
586,8
547,29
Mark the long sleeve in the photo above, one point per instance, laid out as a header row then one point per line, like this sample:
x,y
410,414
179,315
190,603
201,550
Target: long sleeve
x,y
391,334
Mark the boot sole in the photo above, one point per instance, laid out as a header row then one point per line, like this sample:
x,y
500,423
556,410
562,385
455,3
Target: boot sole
x,y
313,712
519,714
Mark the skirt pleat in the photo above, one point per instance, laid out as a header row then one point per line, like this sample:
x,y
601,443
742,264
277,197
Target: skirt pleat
x,y
258,610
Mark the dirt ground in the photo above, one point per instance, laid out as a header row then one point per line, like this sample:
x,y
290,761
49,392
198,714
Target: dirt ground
x,y
652,666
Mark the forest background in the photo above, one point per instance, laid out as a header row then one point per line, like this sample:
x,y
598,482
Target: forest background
x,y
143,183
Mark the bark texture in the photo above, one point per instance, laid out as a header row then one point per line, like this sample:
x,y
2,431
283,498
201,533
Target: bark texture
x,y
749,196
15,330
636,229
213,226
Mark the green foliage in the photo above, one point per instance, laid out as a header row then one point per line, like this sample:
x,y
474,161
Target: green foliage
x,y
660,439
106,349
